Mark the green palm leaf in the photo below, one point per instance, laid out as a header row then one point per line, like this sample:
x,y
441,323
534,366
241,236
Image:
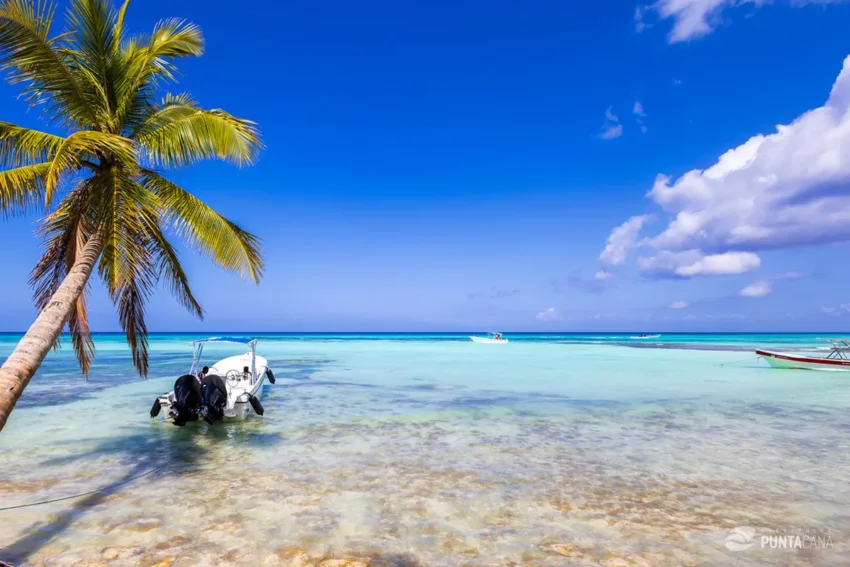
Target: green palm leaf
x,y
228,245
184,134
36,61
89,144
23,146
22,188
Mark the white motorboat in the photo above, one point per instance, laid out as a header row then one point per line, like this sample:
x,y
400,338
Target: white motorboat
x,y
643,337
229,389
490,339
836,361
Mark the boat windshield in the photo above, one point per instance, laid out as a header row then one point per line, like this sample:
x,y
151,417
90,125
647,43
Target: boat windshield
x,y
198,347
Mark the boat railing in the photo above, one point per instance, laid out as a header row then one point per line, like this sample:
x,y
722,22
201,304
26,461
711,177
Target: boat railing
x,y
840,349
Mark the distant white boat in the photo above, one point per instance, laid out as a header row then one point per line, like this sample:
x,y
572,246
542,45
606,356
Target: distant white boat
x,y
645,337
838,359
490,339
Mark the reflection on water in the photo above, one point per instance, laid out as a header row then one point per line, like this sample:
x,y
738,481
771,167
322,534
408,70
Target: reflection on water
x,y
433,453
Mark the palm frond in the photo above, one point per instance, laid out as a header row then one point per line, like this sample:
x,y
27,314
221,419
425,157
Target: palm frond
x,y
87,144
119,23
22,188
93,26
33,59
81,339
60,231
23,146
147,62
182,134
124,204
228,245
78,321
131,299
168,266
171,39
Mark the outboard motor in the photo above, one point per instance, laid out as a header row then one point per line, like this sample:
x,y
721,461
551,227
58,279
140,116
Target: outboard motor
x,y
187,400
213,397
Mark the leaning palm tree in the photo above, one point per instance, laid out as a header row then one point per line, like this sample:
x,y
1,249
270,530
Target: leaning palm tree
x,y
106,202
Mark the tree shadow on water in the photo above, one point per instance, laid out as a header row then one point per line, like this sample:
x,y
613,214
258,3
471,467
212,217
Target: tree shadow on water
x,y
164,451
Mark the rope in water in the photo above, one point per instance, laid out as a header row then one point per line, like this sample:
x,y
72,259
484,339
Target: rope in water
x,y
104,489
748,359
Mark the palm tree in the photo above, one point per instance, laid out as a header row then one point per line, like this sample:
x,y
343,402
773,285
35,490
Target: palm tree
x,y
106,201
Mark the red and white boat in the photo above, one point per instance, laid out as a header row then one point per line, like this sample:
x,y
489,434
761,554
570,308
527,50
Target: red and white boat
x,y
838,359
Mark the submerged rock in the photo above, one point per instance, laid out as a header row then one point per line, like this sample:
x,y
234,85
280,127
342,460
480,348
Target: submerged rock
x,y
564,549
344,563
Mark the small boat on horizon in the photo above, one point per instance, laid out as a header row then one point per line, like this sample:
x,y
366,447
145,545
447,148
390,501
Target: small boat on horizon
x,y
836,361
490,339
229,389
645,337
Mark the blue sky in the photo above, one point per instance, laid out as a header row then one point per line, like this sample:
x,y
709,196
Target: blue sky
x,y
461,165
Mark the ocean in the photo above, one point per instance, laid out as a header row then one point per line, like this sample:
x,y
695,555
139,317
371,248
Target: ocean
x,y
430,450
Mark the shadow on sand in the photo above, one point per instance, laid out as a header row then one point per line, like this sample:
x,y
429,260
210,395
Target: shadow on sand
x,y
165,450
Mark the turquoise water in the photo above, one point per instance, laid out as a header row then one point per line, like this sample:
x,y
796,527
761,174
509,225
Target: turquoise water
x,y
431,450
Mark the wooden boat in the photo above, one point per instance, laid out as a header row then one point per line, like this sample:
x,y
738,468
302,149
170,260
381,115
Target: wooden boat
x,y
836,361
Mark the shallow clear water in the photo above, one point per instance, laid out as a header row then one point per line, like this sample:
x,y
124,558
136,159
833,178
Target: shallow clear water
x,y
432,450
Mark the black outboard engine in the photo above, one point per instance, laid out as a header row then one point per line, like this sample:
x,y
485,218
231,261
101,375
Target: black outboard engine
x,y
213,397
187,400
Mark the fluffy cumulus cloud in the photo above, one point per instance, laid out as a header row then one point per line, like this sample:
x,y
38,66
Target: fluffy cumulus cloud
x,y
693,19
757,289
550,314
779,190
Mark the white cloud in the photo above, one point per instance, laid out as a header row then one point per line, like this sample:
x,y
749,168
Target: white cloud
x,y
612,127
640,114
602,276
678,305
693,19
611,131
780,190
640,25
622,239
550,314
690,263
757,289
720,264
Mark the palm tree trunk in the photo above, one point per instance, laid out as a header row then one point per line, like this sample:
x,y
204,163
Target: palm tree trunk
x,y
25,360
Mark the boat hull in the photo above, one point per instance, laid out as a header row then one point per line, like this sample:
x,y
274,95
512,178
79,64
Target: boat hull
x,y
485,341
797,362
